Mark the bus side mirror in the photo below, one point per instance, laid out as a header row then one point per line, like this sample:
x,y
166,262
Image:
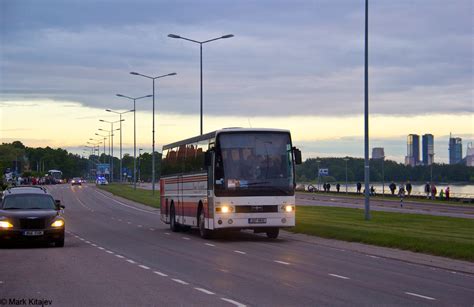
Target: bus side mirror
x,y
297,153
208,158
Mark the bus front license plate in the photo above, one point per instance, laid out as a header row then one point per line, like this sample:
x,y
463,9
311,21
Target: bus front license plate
x,y
257,220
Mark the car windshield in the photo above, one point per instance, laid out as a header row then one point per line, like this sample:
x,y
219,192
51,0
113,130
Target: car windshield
x,y
254,164
28,202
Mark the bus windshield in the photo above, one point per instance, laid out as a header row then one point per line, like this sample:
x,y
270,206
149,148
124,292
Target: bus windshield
x,y
253,164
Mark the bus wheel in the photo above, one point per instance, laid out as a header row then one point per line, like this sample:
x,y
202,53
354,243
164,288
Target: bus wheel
x,y
205,233
173,225
273,233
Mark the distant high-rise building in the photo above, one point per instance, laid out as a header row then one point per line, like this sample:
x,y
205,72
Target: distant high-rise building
x,y
413,150
470,155
455,150
378,153
428,149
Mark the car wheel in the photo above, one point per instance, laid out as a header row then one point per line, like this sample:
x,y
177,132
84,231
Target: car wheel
x,y
205,233
174,227
273,233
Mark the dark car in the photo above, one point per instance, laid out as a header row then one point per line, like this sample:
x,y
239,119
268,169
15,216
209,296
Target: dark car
x,y
76,181
31,214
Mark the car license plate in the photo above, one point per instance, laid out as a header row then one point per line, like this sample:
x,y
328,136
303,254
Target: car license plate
x,y
33,233
257,220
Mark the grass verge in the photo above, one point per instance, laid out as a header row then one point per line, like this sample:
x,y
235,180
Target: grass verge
x,y
436,235
139,195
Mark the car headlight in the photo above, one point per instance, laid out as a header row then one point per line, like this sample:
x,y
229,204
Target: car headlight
x,y
288,208
5,224
58,223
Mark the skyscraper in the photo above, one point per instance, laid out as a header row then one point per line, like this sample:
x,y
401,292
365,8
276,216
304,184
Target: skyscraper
x,y
455,150
428,149
413,150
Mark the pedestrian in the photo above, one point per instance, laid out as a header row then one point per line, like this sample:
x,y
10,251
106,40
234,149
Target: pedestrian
x,y
401,194
372,191
441,194
427,190
328,187
448,191
338,187
433,191
408,187
359,186
324,187
392,188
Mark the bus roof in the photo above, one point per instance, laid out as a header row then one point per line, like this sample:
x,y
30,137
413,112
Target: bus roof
x,y
215,133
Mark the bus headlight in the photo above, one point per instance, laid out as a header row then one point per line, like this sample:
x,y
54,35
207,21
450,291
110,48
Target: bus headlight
x,y
288,208
5,224
225,209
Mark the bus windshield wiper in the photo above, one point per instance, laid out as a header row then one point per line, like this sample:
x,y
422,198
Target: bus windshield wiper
x,y
255,183
12,208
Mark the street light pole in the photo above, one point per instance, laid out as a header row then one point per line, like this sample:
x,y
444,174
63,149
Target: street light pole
x,y
112,145
104,137
346,159
120,115
200,48
134,134
383,176
139,163
318,161
366,114
153,129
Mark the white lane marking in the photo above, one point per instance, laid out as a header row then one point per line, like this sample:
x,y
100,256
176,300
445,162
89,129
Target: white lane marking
x,y
140,226
339,276
372,256
179,281
233,302
129,222
186,238
119,220
81,239
281,262
144,267
125,205
240,252
1,282
88,242
119,256
131,261
95,245
209,244
152,229
100,247
77,237
422,296
110,252
159,273
167,233
205,291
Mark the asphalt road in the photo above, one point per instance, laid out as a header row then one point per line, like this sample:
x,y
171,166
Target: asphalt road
x,y
120,254
409,206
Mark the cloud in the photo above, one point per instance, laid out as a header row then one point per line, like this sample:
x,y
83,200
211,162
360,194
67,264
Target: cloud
x,y
287,58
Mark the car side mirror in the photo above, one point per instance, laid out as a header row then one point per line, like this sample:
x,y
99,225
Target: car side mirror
x,y
58,204
297,153
208,158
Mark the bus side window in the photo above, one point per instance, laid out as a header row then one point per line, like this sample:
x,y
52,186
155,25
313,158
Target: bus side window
x,y
190,162
202,147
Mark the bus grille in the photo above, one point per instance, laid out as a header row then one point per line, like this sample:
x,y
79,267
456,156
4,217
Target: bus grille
x,y
256,209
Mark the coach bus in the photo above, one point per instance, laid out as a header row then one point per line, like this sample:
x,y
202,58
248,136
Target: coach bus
x,y
234,178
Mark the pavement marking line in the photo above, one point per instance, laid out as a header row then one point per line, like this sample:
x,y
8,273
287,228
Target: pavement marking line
x,y
209,244
159,273
95,245
88,242
125,205
131,261
240,252
167,233
186,238
119,256
421,296
129,222
205,291
110,252
372,256
339,276
152,229
81,239
119,220
233,302
281,262
144,267
100,247
179,281
139,225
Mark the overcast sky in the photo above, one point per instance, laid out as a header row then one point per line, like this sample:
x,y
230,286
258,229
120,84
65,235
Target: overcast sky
x,y
297,58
